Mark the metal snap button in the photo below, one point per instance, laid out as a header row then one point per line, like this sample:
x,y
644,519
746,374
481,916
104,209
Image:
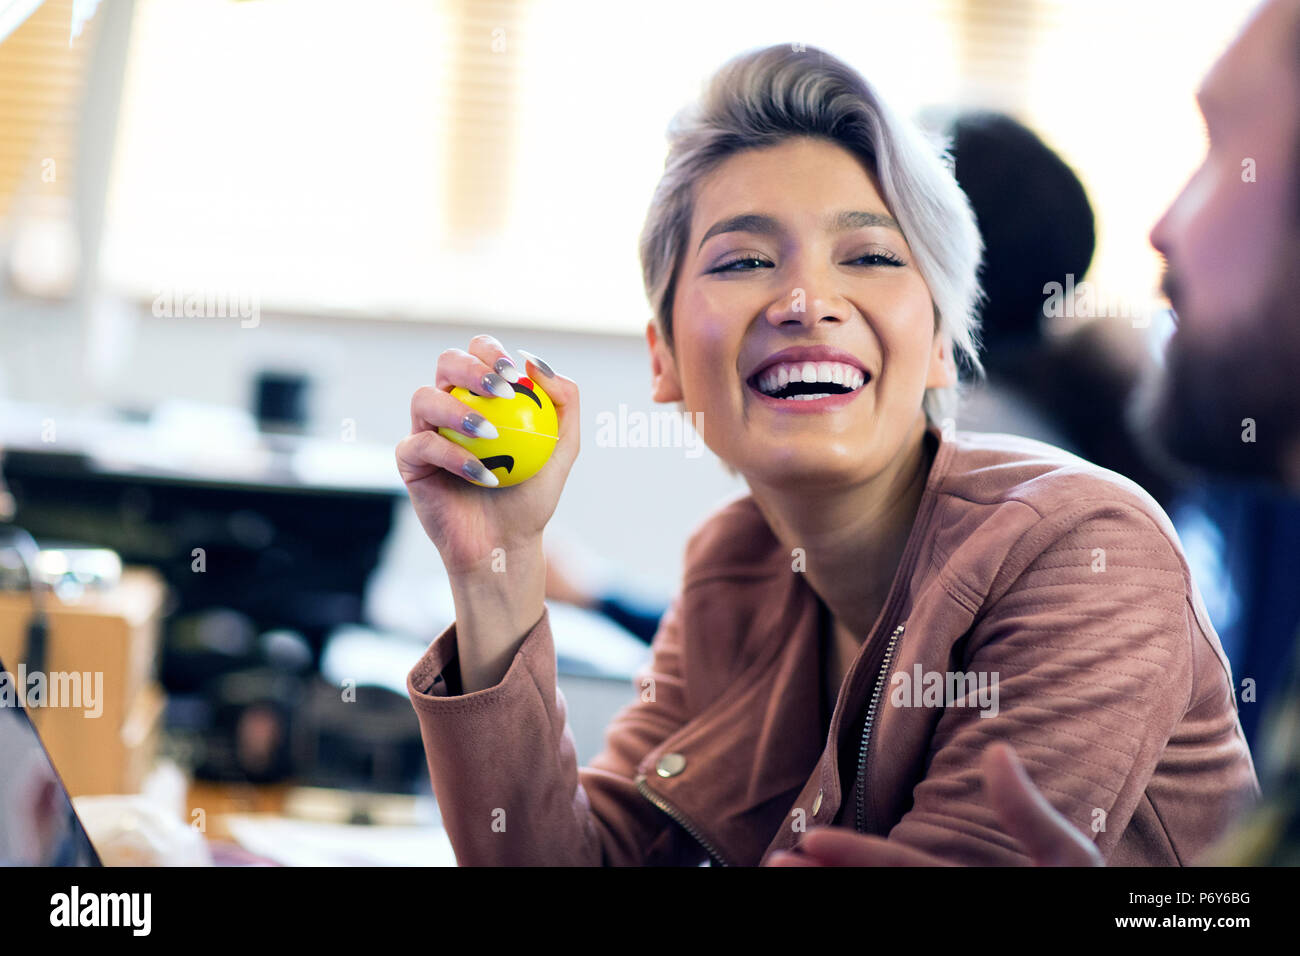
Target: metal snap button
x,y
670,765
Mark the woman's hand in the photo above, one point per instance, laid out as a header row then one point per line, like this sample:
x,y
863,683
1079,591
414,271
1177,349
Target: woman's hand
x,y
466,522
1047,837
490,538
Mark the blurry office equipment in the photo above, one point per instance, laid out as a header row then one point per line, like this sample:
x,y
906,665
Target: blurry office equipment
x,y
286,535
38,825
68,570
250,537
281,402
359,732
99,649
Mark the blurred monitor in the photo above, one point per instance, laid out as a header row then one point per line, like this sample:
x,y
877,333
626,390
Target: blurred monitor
x,y
38,826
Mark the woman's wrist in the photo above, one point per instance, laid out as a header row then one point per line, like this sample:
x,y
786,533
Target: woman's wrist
x,y
496,607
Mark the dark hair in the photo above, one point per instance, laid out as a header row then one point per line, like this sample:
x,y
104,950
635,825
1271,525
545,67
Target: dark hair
x,y
1034,216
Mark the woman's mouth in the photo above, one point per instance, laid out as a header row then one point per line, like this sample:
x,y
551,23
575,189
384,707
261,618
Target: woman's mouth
x,y
808,386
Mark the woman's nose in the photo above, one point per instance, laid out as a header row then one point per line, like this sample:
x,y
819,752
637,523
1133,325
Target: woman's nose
x,y
808,303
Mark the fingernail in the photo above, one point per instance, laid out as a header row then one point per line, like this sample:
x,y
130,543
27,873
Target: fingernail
x,y
498,386
477,471
507,369
476,424
541,366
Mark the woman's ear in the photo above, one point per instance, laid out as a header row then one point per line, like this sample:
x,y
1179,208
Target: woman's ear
x,y
663,367
943,365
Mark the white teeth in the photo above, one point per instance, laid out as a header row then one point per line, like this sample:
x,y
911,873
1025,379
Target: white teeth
x,y
779,376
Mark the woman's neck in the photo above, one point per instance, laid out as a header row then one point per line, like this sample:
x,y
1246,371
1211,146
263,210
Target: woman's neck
x,y
852,538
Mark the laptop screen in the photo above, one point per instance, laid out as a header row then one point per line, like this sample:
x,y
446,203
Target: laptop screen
x,y
38,826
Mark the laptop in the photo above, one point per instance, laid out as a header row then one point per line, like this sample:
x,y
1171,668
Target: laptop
x,y
38,826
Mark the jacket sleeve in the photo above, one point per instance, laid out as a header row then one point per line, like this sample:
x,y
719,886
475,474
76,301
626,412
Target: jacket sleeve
x,y
1091,648
504,768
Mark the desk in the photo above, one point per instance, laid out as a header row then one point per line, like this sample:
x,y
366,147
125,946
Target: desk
x,y
310,826
216,800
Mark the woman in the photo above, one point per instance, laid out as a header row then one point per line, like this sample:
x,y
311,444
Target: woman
x,y
889,598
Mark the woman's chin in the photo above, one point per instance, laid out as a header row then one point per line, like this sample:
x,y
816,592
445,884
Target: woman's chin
x,y
809,468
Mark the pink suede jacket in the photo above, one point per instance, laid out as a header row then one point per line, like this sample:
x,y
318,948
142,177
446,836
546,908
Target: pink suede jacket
x,y
1040,600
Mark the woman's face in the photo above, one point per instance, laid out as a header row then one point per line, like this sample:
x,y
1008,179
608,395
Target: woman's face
x,y
792,247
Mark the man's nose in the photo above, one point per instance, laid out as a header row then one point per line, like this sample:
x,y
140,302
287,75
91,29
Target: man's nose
x,y
1160,234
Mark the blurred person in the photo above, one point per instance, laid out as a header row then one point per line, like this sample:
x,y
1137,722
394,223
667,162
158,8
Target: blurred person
x,y
1037,225
638,616
1069,389
1226,403
812,267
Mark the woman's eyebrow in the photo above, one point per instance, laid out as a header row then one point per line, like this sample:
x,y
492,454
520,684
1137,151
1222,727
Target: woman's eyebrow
x,y
844,221
768,225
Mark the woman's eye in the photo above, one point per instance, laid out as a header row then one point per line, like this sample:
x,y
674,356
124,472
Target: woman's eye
x,y
749,263
879,259
729,266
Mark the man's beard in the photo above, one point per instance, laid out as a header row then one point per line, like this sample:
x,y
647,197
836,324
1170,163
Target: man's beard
x,y
1199,410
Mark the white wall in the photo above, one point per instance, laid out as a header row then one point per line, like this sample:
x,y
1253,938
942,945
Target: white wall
x,y
634,506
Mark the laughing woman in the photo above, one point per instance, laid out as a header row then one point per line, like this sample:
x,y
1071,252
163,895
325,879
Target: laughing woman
x,y
891,595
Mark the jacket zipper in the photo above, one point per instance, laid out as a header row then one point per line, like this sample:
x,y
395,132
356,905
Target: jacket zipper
x,y
676,814
868,723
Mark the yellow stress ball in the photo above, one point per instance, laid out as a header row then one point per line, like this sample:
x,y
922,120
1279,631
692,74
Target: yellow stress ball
x,y
527,429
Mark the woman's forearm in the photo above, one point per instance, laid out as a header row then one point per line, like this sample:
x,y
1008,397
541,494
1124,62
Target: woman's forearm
x,y
495,609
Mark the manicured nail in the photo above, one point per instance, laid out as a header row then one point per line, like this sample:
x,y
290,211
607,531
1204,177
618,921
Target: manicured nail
x,y
507,369
541,366
498,386
477,471
476,424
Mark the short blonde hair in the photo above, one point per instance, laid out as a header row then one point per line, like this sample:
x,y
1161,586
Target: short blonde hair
x,y
765,96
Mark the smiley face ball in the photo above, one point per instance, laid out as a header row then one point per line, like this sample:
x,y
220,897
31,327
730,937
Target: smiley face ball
x,y
527,430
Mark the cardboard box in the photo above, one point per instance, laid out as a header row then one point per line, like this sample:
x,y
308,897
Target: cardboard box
x,y
101,713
